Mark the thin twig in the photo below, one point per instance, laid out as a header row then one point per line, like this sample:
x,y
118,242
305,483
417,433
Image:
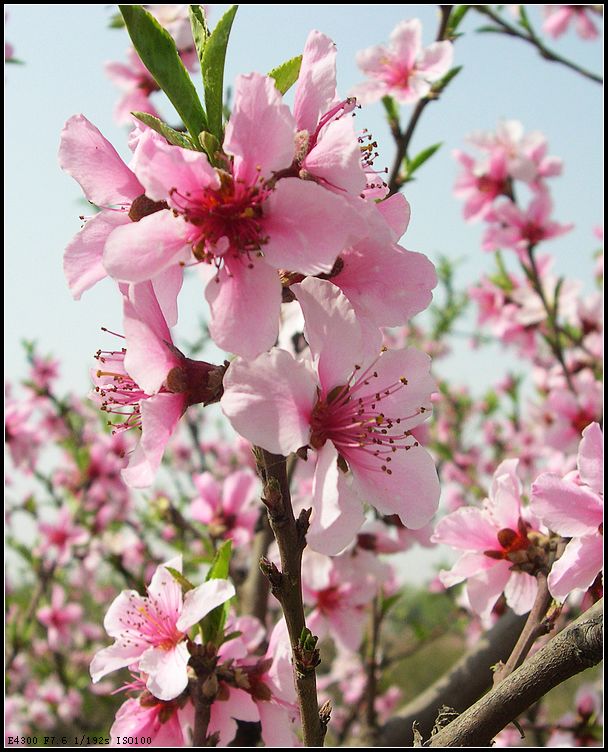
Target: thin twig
x,y
531,38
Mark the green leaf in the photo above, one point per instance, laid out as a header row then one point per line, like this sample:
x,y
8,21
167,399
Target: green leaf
x,y
286,74
200,30
180,579
212,146
442,83
391,109
212,68
173,137
524,20
158,53
456,17
212,625
414,164
388,603
489,30
116,22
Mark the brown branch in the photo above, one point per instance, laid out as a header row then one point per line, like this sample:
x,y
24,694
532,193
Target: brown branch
x,y
371,687
530,37
576,648
286,585
458,688
535,627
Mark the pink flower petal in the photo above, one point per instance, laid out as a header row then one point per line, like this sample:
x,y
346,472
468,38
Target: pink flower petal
x,y
261,130
484,589
149,358
83,259
116,656
95,164
316,87
307,226
406,42
396,213
521,591
410,491
269,400
277,728
336,158
245,304
167,670
238,491
160,415
436,60
577,567
564,507
591,458
467,528
140,251
203,599
163,168
337,511
386,283
334,334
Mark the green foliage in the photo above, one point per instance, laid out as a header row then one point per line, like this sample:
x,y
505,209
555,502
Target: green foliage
x,y
173,137
158,52
286,74
185,583
200,30
212,625
411,165
456,16
440,85
213,60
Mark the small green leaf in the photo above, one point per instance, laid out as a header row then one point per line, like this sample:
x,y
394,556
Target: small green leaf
x,y
456,17
180,579
414,164
173,137
524,20
388,603
158,53
212,68
391,109
212,625
442,83
212,146
286,74
116,22
489,30
200,30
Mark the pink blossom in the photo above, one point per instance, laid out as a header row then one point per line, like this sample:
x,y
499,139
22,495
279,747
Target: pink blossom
x,y
228,508
150,382
145,716
404,70
241,220
558,19
21,438
339,589
58,618
573,506
507,154
151,631
565,413
495,540
351,405
512,227
59,537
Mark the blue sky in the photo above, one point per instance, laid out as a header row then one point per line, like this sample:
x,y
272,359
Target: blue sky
x,y
64,48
